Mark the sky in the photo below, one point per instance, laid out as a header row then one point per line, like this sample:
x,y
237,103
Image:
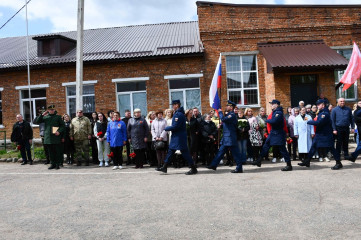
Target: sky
x,y
49,16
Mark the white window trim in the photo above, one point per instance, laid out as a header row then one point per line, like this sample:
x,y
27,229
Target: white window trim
x,y
84,83
183,90
32,86
183,76
131,99
1,100
240,53
339,75
136,79
74,96
32,101
242,89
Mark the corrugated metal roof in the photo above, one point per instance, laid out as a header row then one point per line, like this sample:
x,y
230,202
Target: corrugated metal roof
x,y
310,54
110,43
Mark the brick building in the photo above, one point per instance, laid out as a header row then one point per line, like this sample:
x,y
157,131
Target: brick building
x,y
268,51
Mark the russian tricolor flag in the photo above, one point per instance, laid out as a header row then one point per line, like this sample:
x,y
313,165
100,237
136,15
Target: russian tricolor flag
x,y
214,99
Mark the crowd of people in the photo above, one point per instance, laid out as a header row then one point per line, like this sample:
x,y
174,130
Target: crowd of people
x,y
178,137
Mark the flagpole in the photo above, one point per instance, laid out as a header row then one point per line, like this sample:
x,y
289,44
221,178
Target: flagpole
x,y
28,65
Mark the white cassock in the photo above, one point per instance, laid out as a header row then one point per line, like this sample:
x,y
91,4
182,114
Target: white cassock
x,y
304,131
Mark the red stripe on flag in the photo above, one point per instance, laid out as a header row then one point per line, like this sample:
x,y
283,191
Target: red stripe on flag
x,y
219,81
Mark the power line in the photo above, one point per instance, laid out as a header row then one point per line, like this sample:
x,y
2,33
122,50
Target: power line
x,y
14,15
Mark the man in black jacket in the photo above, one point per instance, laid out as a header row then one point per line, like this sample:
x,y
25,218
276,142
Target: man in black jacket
x,y
357,119
23,135
127,116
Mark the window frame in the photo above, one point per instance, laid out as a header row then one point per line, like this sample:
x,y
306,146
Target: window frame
x,y
184,77
242,89
337,73
130,80
74,96
32,100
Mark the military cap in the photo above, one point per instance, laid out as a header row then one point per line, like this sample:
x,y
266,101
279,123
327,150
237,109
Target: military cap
x,y
230,103
319,101
176,102
51,107
275,101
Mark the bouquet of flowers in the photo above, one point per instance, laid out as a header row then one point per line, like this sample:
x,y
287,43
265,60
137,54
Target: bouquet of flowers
x,y
265,135
289,140
111,155
242,123
100,134
18,147
132,155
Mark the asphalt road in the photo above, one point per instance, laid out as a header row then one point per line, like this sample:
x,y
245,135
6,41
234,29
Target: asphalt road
x,y
100,203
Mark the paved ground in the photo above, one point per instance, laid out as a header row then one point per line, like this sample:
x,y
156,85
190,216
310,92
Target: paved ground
x,y
99,203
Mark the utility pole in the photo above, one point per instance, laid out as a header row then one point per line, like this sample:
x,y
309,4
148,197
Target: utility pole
x,y
79,56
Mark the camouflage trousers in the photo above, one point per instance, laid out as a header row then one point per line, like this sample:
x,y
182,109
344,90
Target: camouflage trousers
x,y
81,151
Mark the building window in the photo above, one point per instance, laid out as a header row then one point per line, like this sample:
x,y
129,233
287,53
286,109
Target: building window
x,y
132,95
351,93
187,91
242,79
37,103
88,100
1,108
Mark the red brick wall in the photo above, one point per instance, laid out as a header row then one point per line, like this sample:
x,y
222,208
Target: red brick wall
x,y
105,89
237,28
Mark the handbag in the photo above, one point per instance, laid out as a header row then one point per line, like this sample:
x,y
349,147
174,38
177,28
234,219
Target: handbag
x,y
159,145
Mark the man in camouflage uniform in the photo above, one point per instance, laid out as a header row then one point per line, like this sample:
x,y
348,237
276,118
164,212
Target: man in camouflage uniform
x,y
52,138
80,133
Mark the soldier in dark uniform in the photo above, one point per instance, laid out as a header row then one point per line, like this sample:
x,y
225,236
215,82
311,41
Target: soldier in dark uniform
x,y
277,136
323,137
179,139
229,139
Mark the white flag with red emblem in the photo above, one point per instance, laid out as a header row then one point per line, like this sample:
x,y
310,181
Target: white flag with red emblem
x,y
353,70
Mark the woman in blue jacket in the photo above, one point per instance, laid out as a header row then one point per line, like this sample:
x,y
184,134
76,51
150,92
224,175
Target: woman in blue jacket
x,y
117,138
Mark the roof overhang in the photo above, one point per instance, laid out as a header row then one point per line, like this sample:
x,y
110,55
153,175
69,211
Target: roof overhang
x,y
301,56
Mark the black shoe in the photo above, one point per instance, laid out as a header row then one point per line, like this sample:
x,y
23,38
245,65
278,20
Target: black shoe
x,y
163,169
212,167
78,163
25,162
52,166
31,162
237,171
287,168
337,166
46,162
257,163
350,158
192,171
57,167
86,163
304,163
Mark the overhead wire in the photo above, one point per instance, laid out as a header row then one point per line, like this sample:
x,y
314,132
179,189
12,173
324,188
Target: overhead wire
x,y
14,15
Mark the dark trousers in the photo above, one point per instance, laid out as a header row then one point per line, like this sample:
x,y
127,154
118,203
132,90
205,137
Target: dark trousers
x,y
55,153
235,153
93,143
208,152
314,148
249,149
139,157
129,159
282,149
45,149
275,151
25,150
118,156
322,152
185,154
151,154
342,137
256,151
292,148
358,150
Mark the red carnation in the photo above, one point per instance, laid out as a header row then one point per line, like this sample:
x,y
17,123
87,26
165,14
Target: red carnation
x,y
100,134
265,135
18,147
151,121
132,155
111,155
289,140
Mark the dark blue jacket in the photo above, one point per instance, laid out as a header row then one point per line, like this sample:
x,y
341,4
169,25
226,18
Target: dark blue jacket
x,y
323,135
277,135
178,140
116,133
342,117
230,124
